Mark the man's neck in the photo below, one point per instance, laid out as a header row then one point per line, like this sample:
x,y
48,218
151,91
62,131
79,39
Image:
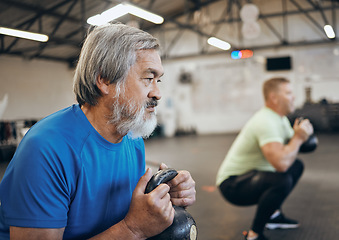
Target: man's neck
x,y
274,109
97,116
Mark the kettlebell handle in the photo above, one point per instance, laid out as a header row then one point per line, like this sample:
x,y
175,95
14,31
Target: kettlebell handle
x,y
162,176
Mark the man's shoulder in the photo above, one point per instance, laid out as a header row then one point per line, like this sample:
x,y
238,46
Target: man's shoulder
x,y
263,120
265,116
60,127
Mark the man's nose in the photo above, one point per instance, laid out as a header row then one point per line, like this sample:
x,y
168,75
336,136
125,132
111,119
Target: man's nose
x,y
155,92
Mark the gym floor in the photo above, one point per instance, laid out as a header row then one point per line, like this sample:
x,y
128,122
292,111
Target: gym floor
x,y
314,202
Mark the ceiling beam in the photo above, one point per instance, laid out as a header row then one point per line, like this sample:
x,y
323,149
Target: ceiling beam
x,y
308,16
320,9
273,30
40,10
182,13
15,41
46,57
57,26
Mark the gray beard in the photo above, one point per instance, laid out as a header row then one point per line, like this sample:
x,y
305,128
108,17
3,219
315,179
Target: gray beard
x,y
130,120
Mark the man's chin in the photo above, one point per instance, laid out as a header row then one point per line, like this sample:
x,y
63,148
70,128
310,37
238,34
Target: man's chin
x,y
145,130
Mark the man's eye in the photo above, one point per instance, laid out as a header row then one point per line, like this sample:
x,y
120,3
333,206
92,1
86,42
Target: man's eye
x,y
159,80
147,81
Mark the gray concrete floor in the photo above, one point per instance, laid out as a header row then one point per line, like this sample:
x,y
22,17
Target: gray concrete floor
x,y
314,202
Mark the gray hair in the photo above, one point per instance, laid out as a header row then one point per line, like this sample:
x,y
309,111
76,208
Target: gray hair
x,y
109,51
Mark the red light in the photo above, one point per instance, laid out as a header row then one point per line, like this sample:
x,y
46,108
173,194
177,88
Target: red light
x,y
246,53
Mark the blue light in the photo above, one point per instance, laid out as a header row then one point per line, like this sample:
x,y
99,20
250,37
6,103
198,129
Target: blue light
x,y
236,55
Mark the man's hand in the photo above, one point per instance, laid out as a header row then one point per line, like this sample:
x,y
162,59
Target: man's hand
x,y
151,213
303,129
182,188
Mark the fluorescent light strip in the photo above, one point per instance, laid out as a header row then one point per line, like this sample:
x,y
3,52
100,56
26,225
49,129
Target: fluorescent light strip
x,y
329,31
141,13
23,34
120,10
219,43
108,15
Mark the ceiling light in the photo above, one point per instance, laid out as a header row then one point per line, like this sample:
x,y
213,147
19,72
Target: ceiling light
x,y
141,13
219,43
108,15
122,9
23,34
329,31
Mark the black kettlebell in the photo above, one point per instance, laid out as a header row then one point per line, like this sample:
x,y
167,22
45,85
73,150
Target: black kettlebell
x,y
309,145
183,226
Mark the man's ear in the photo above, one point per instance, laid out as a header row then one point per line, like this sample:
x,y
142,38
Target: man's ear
x,y
103,85
273,98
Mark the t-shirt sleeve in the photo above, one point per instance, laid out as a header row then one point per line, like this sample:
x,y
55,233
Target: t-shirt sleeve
x,y
267,132
39,195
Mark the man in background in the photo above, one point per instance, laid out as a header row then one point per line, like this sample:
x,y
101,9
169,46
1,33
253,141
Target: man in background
x,y
261,166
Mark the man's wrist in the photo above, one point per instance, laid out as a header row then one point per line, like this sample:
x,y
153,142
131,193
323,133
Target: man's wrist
x,y
134,234
299,139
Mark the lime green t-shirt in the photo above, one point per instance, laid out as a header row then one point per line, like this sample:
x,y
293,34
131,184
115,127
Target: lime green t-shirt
x,y
245,153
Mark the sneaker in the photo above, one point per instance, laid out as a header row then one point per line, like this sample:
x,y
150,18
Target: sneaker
x,y
260,237
281,222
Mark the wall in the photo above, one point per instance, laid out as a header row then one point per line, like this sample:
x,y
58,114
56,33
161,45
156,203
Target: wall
x,y
224,93
34,88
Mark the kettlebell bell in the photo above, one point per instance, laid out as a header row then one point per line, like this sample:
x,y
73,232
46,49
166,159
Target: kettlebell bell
x,y
183,226
309,145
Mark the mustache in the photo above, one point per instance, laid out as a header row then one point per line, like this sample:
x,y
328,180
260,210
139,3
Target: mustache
x,y
152,102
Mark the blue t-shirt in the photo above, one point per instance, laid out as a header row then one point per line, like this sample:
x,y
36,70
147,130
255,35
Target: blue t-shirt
x,y
65,174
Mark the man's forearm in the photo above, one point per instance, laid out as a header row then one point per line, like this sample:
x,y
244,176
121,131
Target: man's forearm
x,y
291,151
119,231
